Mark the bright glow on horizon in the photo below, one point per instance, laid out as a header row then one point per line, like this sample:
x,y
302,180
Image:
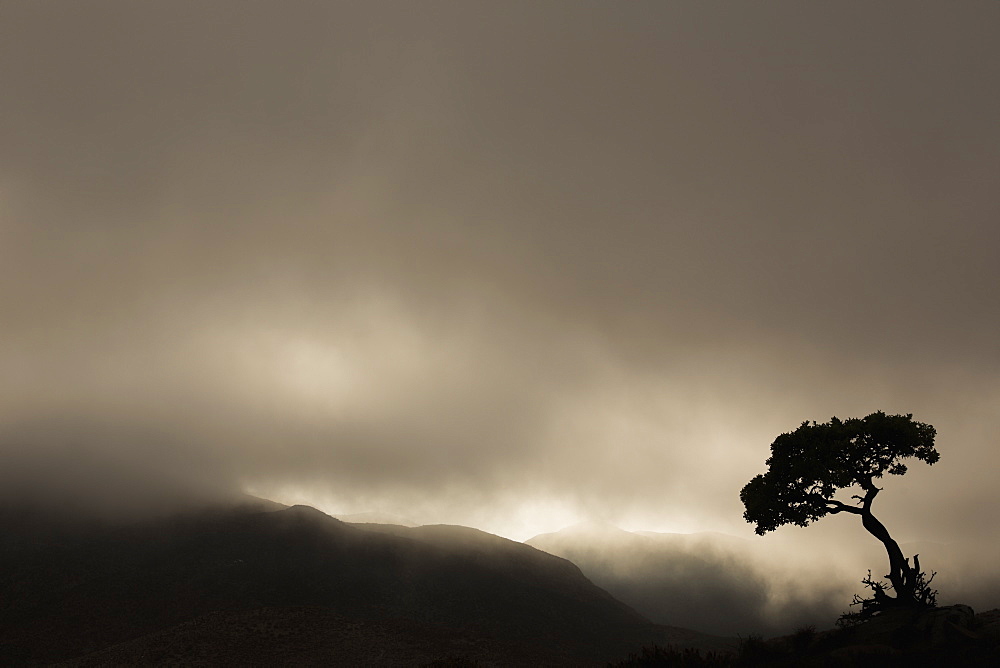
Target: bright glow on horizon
x,y
523,522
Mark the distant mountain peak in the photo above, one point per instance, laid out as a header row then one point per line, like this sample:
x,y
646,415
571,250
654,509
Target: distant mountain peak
x,y
592,529
300,509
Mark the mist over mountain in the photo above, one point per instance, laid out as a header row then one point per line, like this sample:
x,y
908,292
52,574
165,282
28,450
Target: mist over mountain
x,y
374,517
733,586
712,582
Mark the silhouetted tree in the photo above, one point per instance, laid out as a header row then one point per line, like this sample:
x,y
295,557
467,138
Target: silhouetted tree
x,y
809,465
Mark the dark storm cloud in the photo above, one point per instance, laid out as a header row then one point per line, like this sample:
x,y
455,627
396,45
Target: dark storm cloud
x,y
460,256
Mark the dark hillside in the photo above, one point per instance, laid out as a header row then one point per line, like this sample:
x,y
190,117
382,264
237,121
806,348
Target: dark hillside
x,y
244,585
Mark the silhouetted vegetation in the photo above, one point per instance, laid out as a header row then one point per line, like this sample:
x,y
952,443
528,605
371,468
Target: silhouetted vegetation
x,y
809,465
451,662
923,596
803,637
654,655
908,637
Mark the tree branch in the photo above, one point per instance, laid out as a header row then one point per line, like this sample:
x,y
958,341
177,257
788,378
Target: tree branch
x,y
835,507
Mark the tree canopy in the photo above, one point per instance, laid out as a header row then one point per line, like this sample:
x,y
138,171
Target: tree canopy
x,y
809,465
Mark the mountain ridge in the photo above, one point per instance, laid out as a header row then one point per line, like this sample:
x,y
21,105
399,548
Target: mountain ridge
x,y
152,589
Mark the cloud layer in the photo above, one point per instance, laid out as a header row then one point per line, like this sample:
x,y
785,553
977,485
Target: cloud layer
x,y
508,265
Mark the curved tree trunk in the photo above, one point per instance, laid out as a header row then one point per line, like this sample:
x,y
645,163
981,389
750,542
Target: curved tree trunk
x,y
902,577
900,573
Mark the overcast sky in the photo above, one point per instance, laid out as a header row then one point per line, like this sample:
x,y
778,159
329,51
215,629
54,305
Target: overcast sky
x,y
509,264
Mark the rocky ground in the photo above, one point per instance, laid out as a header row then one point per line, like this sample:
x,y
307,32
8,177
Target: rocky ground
x,y
945,636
